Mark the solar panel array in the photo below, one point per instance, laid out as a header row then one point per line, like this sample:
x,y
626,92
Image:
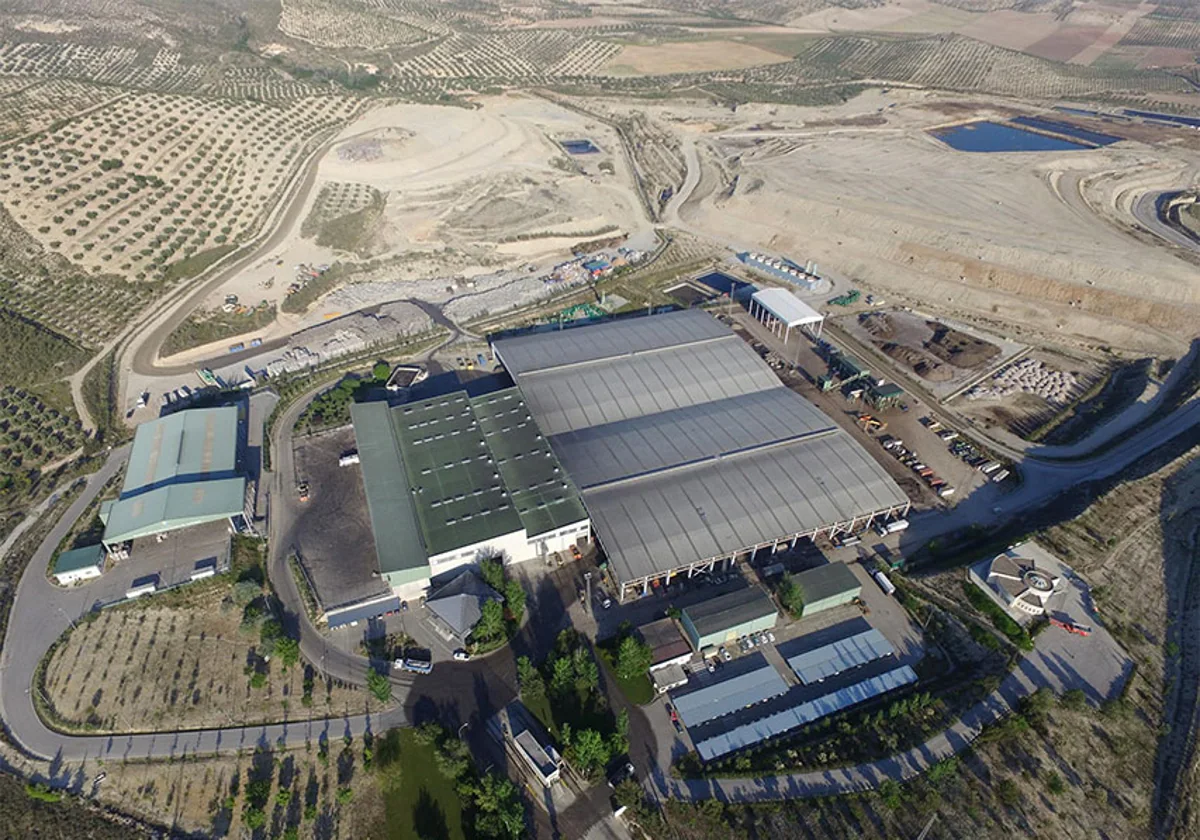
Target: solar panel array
x,y
839,656
805,713
729,695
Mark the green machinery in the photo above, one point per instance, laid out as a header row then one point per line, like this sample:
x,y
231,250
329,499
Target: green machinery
x,y
851,297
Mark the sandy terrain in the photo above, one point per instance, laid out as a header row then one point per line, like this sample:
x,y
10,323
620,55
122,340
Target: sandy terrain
x,y
688,57
1011,29
1000,238
467,192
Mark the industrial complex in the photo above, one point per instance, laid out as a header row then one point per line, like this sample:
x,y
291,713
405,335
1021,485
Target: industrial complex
x,y
452,479
686,448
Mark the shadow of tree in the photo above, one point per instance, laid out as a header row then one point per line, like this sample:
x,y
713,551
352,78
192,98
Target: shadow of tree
x,y
429,820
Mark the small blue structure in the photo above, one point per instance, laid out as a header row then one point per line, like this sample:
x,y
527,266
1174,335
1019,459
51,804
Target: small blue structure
x,y
580,147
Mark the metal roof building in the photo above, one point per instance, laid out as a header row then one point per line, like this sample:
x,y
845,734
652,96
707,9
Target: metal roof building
x,y
782,311
741,688
458,605
728,617
804,713
183,471
450,476
687,448
826,587
842,655
77,564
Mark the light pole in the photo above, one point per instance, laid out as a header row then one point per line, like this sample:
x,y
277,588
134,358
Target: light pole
x,y
587,577
461,728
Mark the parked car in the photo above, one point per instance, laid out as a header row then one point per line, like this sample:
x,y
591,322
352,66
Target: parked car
x,y
461,655
770,637
726,655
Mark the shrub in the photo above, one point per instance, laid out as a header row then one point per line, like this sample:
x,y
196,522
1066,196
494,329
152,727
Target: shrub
x,y
379,686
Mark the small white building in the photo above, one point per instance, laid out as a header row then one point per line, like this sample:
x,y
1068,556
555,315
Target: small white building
x,y
1016,581
79,564
782,312
541,758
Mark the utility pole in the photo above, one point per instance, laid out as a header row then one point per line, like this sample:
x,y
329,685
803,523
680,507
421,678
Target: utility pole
x,y
732,292
587,577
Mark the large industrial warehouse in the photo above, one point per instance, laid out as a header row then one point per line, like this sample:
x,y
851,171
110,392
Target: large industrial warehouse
x,y
686,447
451,478
184,470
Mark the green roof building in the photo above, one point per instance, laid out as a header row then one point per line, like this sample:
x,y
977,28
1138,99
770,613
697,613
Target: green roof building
x,y
79,564
452,477
728,617
183,471
826,587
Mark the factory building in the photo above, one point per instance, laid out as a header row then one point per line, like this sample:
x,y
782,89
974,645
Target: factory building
x,y
453,479
728,617
687,449
79,564
1017,582
826,587
184,470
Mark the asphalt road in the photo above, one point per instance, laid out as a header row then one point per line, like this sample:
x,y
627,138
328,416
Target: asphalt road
x,y
1145,210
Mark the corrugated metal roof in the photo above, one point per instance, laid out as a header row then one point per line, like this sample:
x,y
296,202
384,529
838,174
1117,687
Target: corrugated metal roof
x,y
75,559
522,354
567,398
722,506
647,444
200,443
787,307
398,543
174,506
741,688
826,581
362,611
685,443
839,656
733,609
803,714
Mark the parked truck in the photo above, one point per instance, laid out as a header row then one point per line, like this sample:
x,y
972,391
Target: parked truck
x,y
886,585
893,527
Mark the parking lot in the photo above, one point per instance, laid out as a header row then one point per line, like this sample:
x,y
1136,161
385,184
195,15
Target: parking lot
x,y
172,559
333,535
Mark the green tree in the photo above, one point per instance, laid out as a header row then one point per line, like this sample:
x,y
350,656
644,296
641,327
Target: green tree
x,y
379,686
590,751
492,572
453,758
587,674
562,678
1008,793
533,686
514,599
491,622
1054,783
500,812
245,591
381,371
791,595
254,818
891,793
633,657
287,650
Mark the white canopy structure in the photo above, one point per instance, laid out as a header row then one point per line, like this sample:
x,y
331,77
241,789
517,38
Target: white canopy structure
x,y
781,310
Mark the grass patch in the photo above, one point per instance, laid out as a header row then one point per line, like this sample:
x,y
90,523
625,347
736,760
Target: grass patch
x,y
214,326
189,267
419,801
1000,619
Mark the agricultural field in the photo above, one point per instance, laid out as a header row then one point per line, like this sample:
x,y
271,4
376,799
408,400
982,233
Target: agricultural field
x,y
109,65
344,215
31,104
957,63
350,23
525,54
156,178
32,434
186,660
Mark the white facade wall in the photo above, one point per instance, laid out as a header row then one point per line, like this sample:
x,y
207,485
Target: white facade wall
x,y
560,540
77,575
514,546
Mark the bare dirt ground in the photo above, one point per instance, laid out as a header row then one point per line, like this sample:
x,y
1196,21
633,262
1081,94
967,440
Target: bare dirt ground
x,y
148,667
463,192
1005,238
929,349
685,57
